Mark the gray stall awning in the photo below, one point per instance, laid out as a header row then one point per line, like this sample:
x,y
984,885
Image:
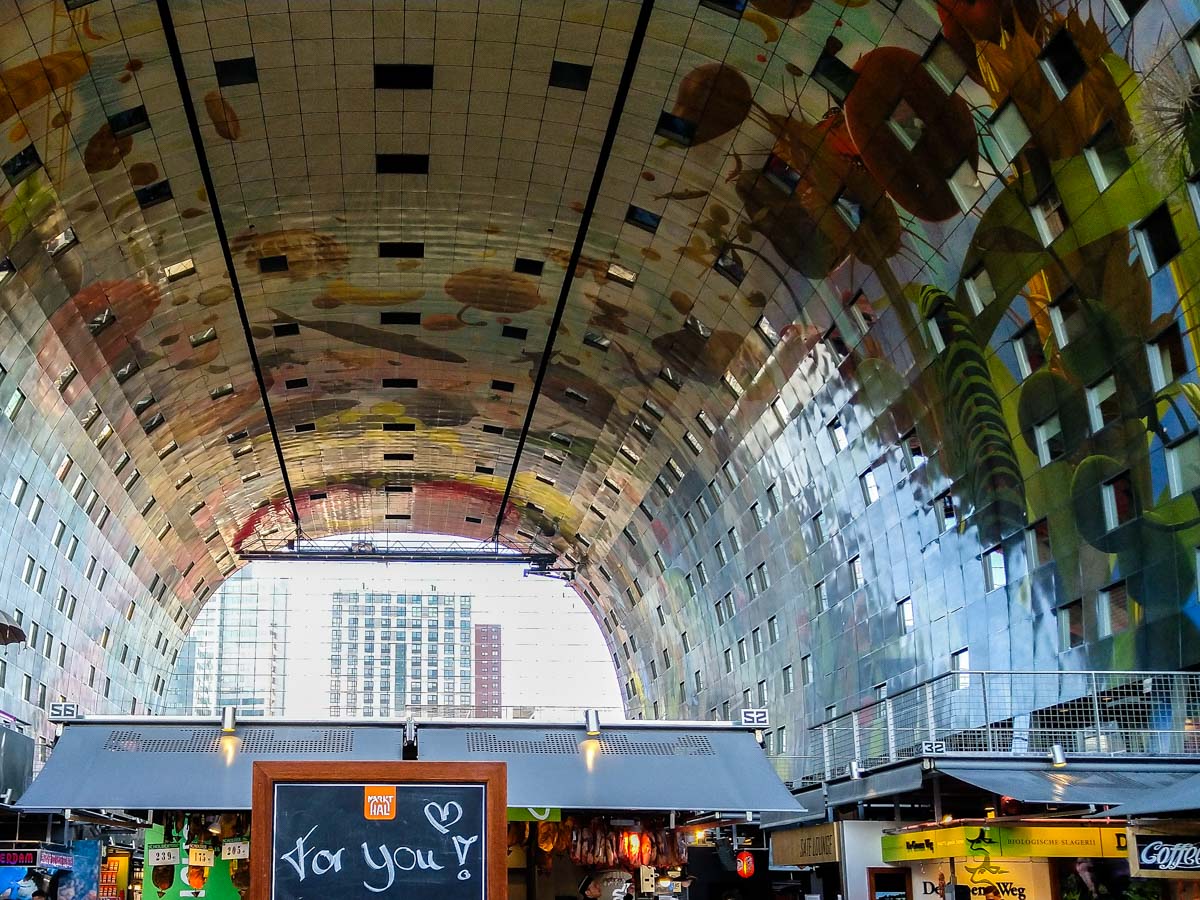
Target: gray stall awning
x,y
1183,796
147,765
626,767
1081,783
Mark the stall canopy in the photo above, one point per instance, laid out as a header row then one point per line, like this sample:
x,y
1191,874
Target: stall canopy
x,y
134,765
1183,796
1078,784
628,767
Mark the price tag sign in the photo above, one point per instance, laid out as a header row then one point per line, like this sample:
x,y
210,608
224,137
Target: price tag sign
x,y
162,855
235,850
201,856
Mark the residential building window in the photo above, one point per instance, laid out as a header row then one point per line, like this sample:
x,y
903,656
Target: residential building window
x,y
719,550
1048,436
1118,500
1106,155
806,669
701,573
773,629
1037,544
756,516
837,434
965,185
1010,131
773,500
698,681
1183,466
944,64
818,530
1103,406
761,694
733,540
1167,359
870,487
1114,610
756,640
751,588
720,609
1157,240
978,286
1070,625
743,655
35,508
856,572
947,516
960,662
904,609
994,573
1031,355
781,740
788,681
822,600
20,486
1062,63
762,576
728,655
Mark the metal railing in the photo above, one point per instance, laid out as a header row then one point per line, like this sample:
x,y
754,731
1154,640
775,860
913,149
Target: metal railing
x,y
1016,714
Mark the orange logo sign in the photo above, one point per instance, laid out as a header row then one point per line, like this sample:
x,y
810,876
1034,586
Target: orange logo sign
x,y
379,801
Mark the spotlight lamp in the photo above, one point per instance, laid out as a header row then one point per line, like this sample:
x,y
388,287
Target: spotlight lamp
x,y
591,722
228,719
1058,759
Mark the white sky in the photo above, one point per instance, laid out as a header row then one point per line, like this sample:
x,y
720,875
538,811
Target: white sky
x,y
552,654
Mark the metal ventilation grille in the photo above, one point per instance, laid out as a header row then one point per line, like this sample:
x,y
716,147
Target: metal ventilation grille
x,y
566,743
255,742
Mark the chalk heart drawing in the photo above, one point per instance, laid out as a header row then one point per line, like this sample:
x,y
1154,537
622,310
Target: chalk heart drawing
x,y
442,816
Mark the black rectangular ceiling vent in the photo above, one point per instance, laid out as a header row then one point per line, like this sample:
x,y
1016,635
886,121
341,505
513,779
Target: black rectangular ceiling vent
x,y
398,488
643,218
293,383
306,426
402,163
286,329
401,250
676,128
474,520
512,331
128,121
493,429
270,264
731,8
397,457
506,386
236,71
484,470
401,517
403,77
21,166
399,382
399,426
572,76
317,495
525,266
399,318
153,194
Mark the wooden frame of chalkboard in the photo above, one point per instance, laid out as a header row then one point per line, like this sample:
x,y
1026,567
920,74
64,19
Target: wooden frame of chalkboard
x,y
417,844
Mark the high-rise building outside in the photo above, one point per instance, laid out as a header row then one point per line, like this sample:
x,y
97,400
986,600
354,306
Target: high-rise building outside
x,y
488,691
236,653
400,653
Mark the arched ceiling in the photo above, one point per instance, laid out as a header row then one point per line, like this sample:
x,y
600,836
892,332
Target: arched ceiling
x,y
415,363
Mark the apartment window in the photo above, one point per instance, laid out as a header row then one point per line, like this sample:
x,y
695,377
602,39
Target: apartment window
x,y
20,486
1156,239
719,550
1031,355
773,629
733,540
39,580
1113,610
870,487
904,610
1070,625
728,656
683,636
965,185
978,286
1037,544
64,469
947,515
806,669
15,402
761,694
720,610
27,572
773,499
994,573
1067,318
1048,436
756,516
762,577
756,640
105,636
1106,156
856,572
1062,63
27,688
944,64
1183,466
690,521
35,509
691,584
72,546
1010,131
743,654
1117,500
818,529
701,573
1103,406
1125,10
697,680
960,662
837,433
1167,359
714,487
781,740
789,683
820,596
658,561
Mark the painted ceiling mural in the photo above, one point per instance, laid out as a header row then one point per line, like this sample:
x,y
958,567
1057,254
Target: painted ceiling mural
x,y
978,212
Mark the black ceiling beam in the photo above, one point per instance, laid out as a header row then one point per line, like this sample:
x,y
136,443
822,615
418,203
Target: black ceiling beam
x,y
189,110
589,208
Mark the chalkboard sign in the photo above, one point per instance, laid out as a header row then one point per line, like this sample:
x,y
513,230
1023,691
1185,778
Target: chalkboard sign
x,y
385,831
